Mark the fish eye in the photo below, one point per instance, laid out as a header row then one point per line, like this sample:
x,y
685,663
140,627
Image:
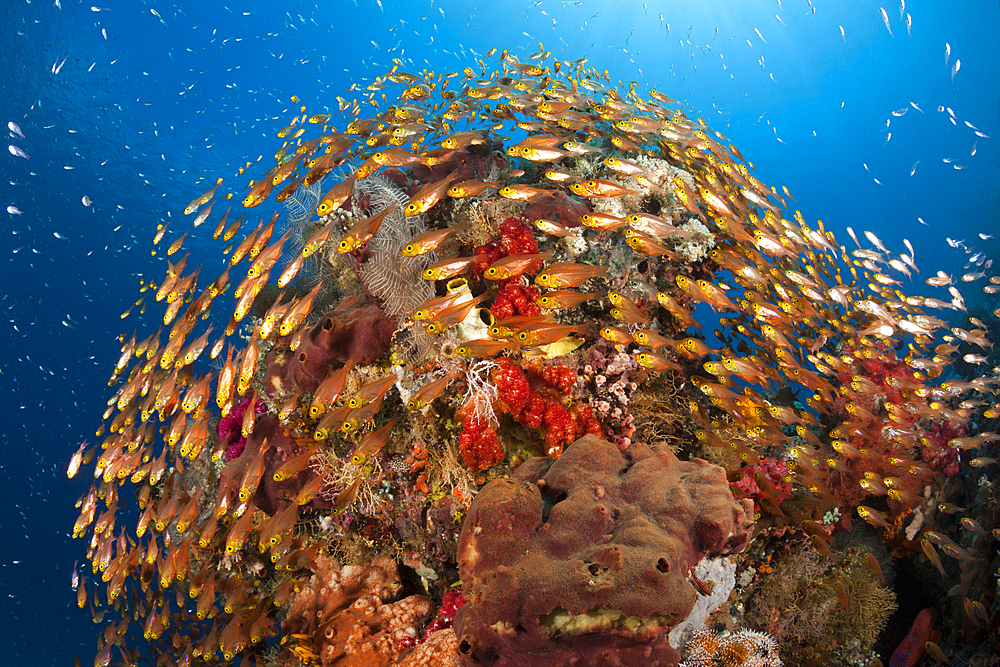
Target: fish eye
x,y
408,249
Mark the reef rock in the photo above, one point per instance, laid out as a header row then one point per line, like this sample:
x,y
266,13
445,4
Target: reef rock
x,y
585,560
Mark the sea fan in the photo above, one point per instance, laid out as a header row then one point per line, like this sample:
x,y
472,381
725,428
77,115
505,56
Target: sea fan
x,y
387,274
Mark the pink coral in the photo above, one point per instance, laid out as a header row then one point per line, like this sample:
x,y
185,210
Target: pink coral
x,y
771,472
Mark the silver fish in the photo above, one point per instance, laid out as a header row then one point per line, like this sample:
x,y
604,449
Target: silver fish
x,y
14,150
12,126
885,17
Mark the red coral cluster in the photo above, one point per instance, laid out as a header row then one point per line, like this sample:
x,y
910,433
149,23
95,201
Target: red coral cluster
x,y
479,443
230,428
936,451
453,601
534,398
515,297
543,408
772,474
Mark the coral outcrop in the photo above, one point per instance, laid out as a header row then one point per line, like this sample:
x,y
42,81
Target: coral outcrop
x,y
356,331
586,560
350,616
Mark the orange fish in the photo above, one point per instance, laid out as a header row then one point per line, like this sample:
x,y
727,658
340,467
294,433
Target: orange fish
x,y
363,231
568,274
561,299
514,265
203,199
336,196
428,195
449,268
428,241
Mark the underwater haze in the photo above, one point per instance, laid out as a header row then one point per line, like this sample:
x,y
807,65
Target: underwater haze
x,y
118,115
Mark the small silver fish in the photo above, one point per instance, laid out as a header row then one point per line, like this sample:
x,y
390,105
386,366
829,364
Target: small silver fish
x,y
885,17
12,126
954,70
13,210
14,150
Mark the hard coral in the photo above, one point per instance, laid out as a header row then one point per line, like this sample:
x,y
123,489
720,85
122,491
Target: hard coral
x,y
348,613
744,648
584,560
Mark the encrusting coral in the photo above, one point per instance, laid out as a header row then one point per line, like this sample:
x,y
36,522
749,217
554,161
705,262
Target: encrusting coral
x,y
350,617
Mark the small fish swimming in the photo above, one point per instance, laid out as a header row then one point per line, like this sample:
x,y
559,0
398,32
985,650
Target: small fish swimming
x,y
947,53
885,17
957,66
12,126
13,210
14,150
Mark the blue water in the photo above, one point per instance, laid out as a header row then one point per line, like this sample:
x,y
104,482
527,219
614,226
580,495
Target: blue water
x,y
144,115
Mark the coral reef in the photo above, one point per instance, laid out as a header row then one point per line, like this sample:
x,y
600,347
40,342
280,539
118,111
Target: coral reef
x,y
587,559
350,615
470,334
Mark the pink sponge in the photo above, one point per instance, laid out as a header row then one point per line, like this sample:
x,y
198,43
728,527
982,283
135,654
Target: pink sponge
x,y
585,560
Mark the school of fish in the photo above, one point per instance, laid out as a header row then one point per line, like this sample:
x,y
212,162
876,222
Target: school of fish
x,y
790,308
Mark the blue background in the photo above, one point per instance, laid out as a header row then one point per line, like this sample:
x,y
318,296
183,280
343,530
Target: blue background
x,y
170,105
